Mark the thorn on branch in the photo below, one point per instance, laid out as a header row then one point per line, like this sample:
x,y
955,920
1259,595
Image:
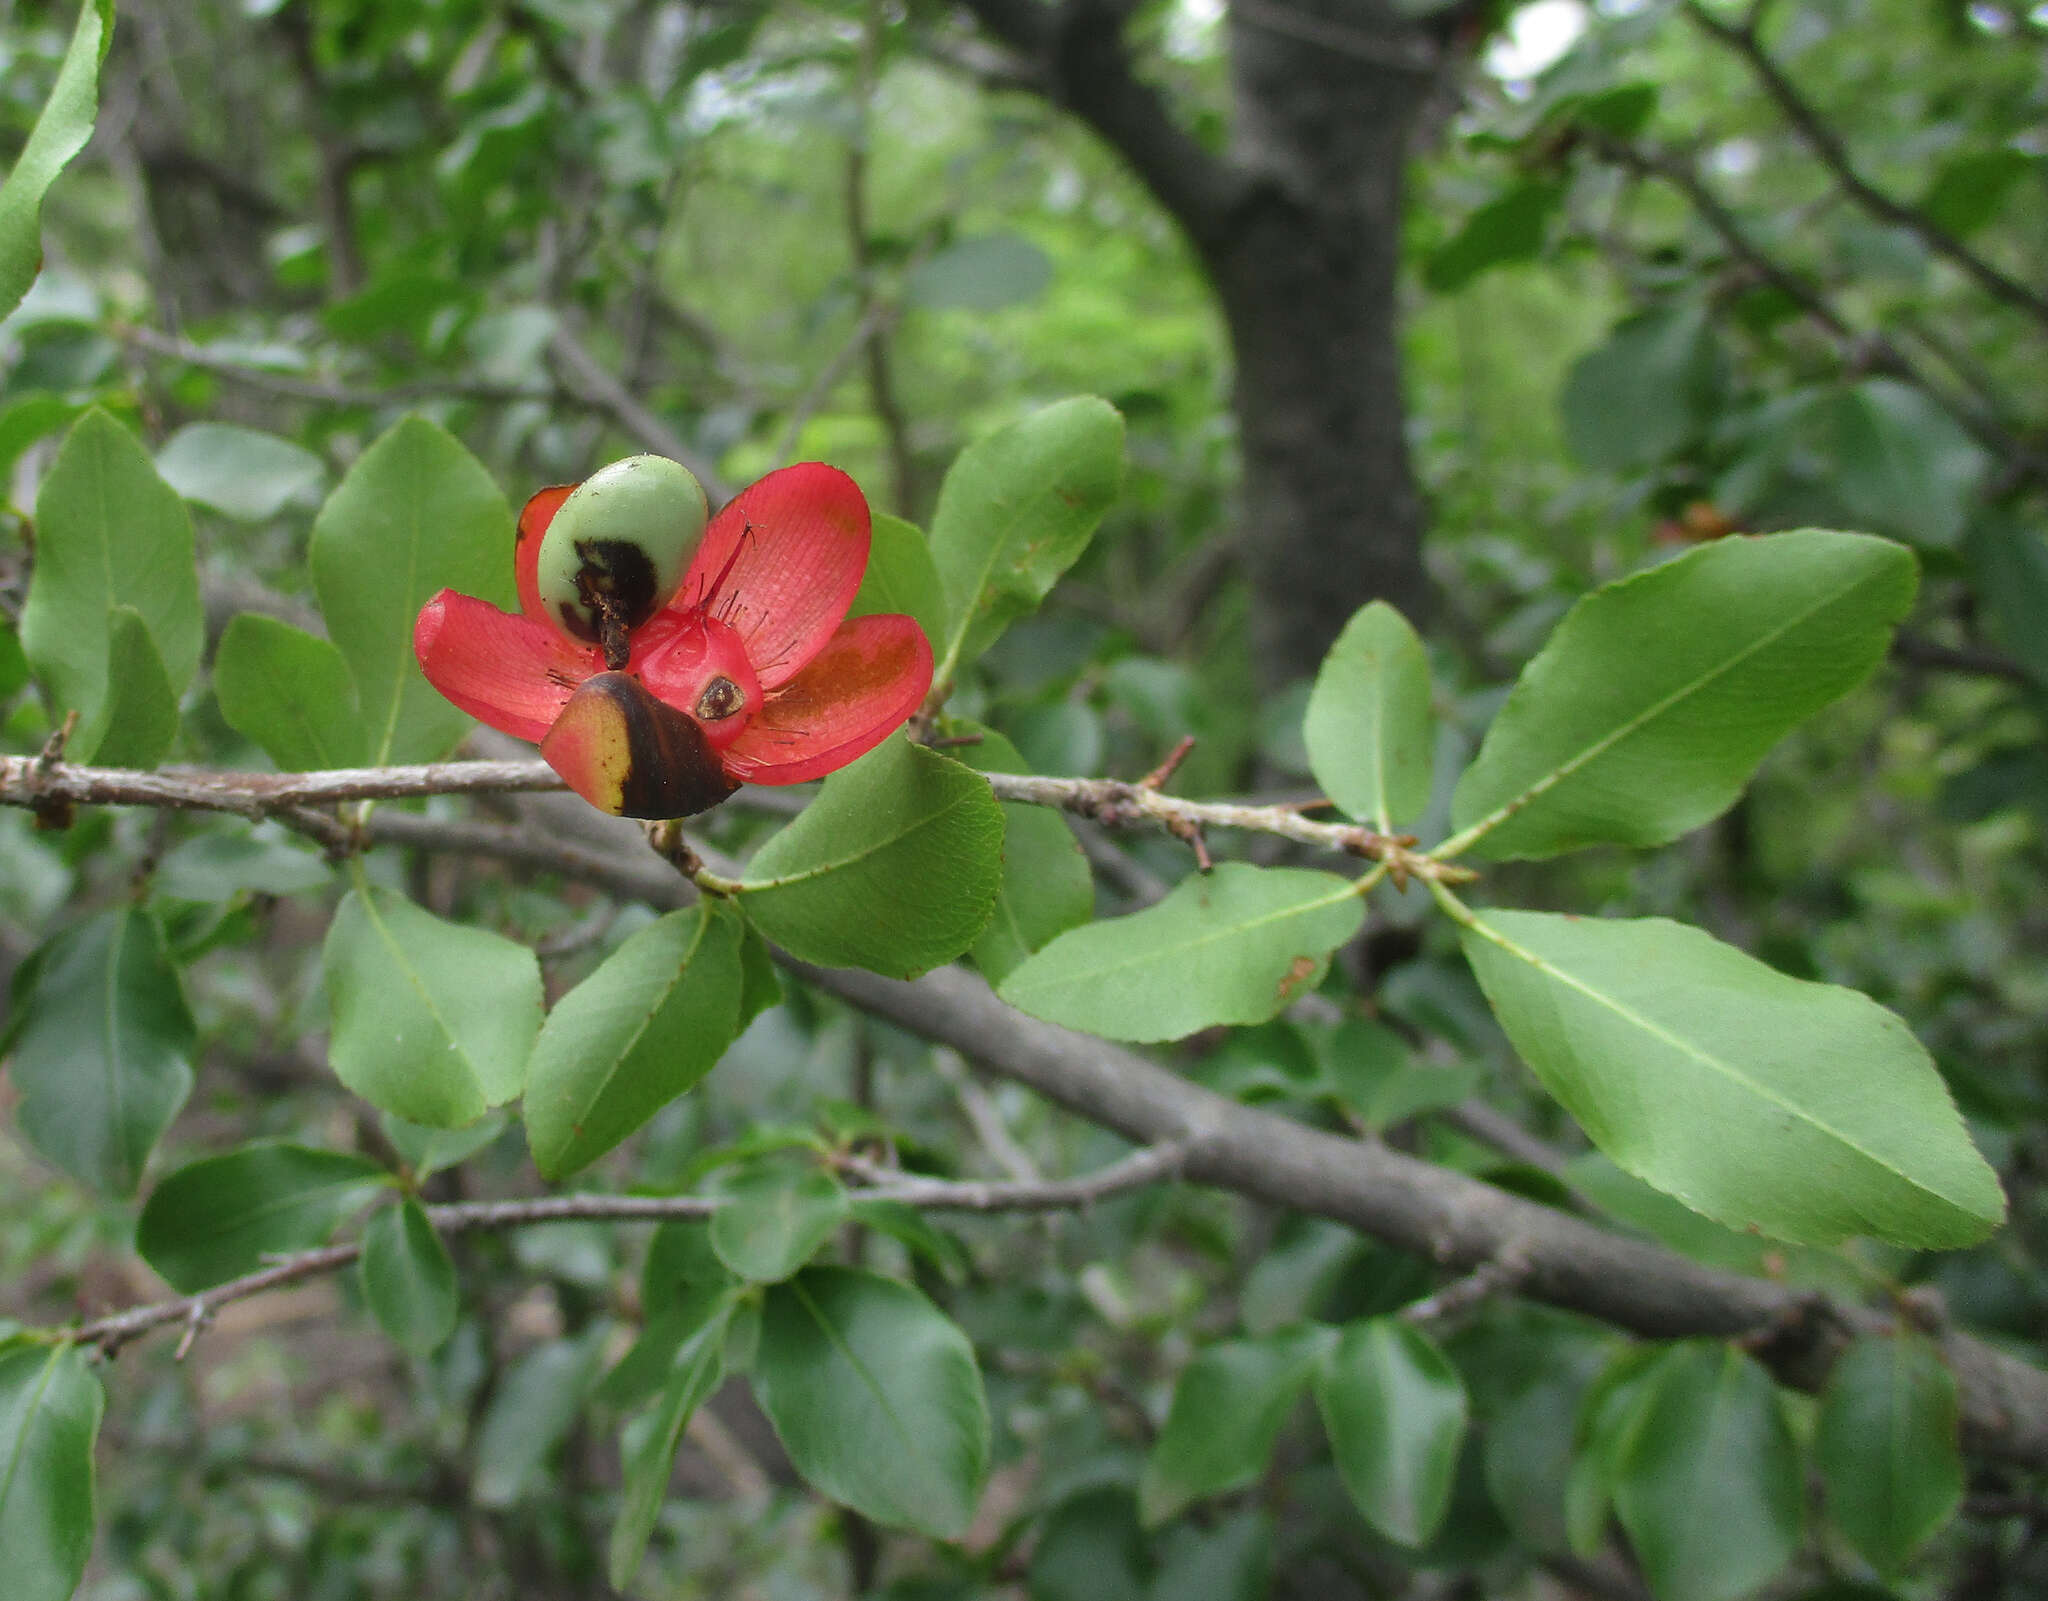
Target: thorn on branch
x,y
1183,829
54,812
1498,1275
195,1319
1156,779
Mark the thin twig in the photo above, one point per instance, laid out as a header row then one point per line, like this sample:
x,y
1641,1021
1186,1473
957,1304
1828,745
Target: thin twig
x,y
1154,1165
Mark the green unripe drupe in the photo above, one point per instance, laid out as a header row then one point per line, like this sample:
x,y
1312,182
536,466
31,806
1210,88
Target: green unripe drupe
x,y
617,550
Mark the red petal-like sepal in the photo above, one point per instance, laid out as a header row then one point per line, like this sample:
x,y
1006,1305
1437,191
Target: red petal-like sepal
x,y
511,672
871,675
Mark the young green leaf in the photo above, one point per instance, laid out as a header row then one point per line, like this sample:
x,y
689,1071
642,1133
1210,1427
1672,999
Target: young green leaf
x,y
893,867
426,1151
1015,511
408,1278
221,1216
649,1446
432,1021
109,533
1886,1445
901,577
101,1048
1825,1117
1370,733
61,131
644,1028
1395,1411
1227,1410
773,1219
1046,887
290,692
876,1396
242,473
1709,1486
50,1405
1232,946
415,514
1654,700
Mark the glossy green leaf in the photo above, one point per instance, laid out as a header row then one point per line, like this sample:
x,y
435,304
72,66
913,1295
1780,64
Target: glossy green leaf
x,y
1227,1410
650,1022
61,131
1903,466
109,534
901,577
1654,700
893,867
1887,1447
649,1446
876,1396
773,1219
416,514
1370,733
1829,1117
50,1405
530,1415
240,472
1709,1486
290,692
1016,510
1046,886
1236,945
1508,228
408,1278
432,1021
138,719
100,1048
1395,1411
1646,392
221,1216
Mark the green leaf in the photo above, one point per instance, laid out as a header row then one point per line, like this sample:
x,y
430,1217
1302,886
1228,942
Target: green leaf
x,y
416,514
1709,1484
234,858
1828,1118
1508,228
432,1022
290,692
1227,1410
1653,701
1370,733
651,1021
247,475
875,1395
530,1415
1369,1068
1091,1549
1903,466
426,1151
1232,946
1395,1411
1015,511
101,1048
109,533
649,1446
1231,1561
1645,393
1046,886
1887,1447
2011,563
61,131
893,867
983,272
50,1405
138,718
220,1217
901,577
773,1219
1970,189
408,1278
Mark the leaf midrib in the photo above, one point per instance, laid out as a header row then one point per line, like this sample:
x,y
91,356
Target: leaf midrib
x,y
874,848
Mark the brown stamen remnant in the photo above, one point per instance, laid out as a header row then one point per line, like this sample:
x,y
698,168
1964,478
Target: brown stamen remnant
x,y
721,698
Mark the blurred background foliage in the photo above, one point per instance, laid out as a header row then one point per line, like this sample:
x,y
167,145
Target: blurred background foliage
x,y
1638,307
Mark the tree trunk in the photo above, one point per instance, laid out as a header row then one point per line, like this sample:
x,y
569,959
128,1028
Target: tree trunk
x,y
1306,274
